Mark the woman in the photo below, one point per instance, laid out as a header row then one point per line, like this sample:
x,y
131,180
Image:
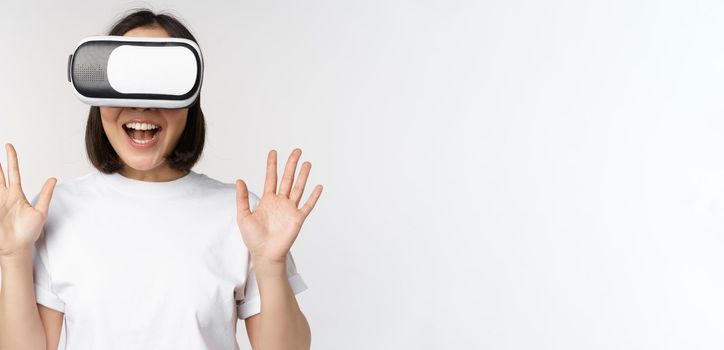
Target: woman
x,y
145,253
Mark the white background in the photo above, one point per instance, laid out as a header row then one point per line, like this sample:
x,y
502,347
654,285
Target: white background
x,y
498,174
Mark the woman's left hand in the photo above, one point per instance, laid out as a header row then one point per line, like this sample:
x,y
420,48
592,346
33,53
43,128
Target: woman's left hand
x,y
271,229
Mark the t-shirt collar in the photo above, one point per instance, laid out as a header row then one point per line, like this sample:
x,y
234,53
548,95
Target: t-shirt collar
x,y
140,188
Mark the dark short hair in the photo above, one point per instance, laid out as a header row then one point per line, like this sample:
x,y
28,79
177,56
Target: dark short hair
x,y
191,143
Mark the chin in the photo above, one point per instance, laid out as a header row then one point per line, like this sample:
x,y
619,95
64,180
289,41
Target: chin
x,y
141,165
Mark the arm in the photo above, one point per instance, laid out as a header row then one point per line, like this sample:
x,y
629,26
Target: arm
x,y
269,233
20,324
21,327
280,325
53,323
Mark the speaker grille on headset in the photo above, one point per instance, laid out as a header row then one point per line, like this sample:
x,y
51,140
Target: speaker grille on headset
x,y
90,72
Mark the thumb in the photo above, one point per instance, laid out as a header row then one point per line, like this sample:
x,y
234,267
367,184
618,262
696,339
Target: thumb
x,y
242,199
45,194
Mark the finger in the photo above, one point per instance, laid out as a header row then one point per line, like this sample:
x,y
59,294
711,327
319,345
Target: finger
x,y
270,184
288,177
298,190
13,167
242,199
45,195
2,175
307,208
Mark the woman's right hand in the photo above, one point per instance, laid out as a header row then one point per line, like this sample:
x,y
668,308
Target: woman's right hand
x,y
20,222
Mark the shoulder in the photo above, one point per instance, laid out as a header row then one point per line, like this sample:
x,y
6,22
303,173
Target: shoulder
x,y
72,187
210,185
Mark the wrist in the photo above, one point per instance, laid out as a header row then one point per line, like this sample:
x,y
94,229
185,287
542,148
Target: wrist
x,y
264,267
19,256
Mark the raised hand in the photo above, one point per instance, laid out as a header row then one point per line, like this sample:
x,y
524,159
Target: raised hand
x,y
20,222
271,229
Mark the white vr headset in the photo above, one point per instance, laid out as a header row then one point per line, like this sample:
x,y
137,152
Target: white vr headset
x,y
144,72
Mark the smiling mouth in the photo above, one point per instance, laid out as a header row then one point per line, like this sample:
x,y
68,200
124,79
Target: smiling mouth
x,y
141,136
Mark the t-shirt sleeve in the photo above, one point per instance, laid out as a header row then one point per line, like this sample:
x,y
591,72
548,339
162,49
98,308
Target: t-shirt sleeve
x,y
249,304
44,293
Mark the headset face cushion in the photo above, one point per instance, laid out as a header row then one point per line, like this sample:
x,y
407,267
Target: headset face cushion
x,y
146,72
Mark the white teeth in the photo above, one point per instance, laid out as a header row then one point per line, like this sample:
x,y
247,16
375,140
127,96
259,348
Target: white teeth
x,y
141,126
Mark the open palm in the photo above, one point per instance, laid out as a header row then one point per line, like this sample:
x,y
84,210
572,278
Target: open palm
x,y
272,228
20,222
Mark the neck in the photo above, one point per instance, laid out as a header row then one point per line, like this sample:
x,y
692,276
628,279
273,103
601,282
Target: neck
x,y
158,174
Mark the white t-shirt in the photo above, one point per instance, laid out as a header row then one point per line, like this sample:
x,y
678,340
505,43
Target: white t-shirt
x,y
147,265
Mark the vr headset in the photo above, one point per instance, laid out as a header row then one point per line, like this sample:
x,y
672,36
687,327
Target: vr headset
x,y
144,72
